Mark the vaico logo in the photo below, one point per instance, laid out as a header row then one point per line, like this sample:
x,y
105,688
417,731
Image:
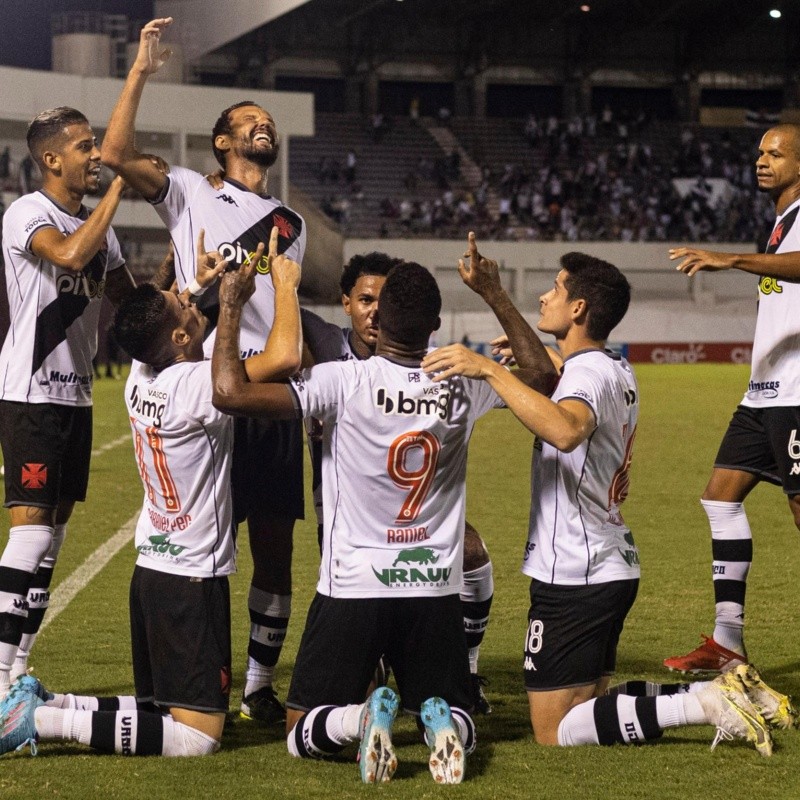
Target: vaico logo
x,y
236,255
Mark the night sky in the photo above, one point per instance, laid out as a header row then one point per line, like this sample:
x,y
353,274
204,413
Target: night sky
x,y
25,25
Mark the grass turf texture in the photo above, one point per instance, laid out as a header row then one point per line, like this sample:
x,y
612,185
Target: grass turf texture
x,y
683,414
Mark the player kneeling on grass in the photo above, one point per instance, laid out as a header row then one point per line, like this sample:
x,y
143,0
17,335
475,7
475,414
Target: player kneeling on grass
x,y
179,597
580,554
396,458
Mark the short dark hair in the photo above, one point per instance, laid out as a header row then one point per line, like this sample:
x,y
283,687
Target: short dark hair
x,y
369,264
604,288
141,321
223,126
48,125
410,303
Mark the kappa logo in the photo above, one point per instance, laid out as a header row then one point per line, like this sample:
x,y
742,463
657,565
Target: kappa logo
x,y
795,469
34,476
228,199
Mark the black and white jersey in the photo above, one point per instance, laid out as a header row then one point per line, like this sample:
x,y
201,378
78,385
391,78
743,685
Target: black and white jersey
x,y
48,350
394,462
577,535
235,220
775,368
183,449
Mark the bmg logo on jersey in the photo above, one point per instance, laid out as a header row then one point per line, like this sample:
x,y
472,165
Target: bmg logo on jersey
x,y
81,285
434,402
236,255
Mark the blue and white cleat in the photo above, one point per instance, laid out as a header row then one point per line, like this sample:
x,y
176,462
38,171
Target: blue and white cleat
x,y
447,761
376,756
17,725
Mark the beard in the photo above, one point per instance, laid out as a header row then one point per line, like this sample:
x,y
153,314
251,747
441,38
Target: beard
x,y
264,158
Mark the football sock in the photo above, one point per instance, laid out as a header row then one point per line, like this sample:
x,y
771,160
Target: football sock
x,y
648,689
732,551
269,618
126,732
38,601
623,719
466,729
88,703
27,546
324,731
476,600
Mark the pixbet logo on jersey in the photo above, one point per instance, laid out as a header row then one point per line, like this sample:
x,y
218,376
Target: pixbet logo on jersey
x,y
236,255
80,285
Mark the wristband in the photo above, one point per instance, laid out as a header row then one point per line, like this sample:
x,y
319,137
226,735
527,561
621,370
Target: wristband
x,y
195,289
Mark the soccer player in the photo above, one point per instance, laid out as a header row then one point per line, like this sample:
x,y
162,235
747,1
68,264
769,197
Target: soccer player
x,y
268,457
179,597
60,260
393,465
761,442
361,282
580,554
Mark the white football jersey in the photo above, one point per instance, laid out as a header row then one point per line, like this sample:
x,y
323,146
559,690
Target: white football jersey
x,y
183,450
577,535
775,368
48,350
235,220
393,475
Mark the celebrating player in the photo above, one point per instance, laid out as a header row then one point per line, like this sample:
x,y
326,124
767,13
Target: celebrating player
x,y
761,442
268,457
60,260
580,554
394,464
179,598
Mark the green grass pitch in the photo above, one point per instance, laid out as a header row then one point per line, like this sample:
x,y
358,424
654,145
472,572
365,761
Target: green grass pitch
x,y
683,414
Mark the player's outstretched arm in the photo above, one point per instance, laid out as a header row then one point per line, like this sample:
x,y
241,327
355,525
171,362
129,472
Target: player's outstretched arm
x,y
233,393
564,425
774,265
482,275
283,352
119,150
77,249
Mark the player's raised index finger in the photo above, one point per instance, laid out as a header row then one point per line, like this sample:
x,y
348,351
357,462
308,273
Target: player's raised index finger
x,y
273,242
201,241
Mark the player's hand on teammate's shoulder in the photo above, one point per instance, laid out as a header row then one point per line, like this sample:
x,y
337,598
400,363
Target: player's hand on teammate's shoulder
x,y
456,359
695,260
151,57
285,272
216,179
481,274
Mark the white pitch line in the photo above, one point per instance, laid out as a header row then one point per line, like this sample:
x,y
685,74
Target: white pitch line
x,y
65,592
104,448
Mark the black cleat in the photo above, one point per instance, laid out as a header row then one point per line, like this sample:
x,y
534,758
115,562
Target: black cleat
x,y
263,706
479,702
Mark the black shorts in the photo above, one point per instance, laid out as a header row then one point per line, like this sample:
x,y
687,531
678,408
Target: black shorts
x,y
46,452
573,632
765,442
181,640
267,471
423,638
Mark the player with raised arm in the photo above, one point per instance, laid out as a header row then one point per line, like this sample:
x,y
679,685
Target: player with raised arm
x,y
268,457
580,554
761,442
60,260
361,281
179,597
395,463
